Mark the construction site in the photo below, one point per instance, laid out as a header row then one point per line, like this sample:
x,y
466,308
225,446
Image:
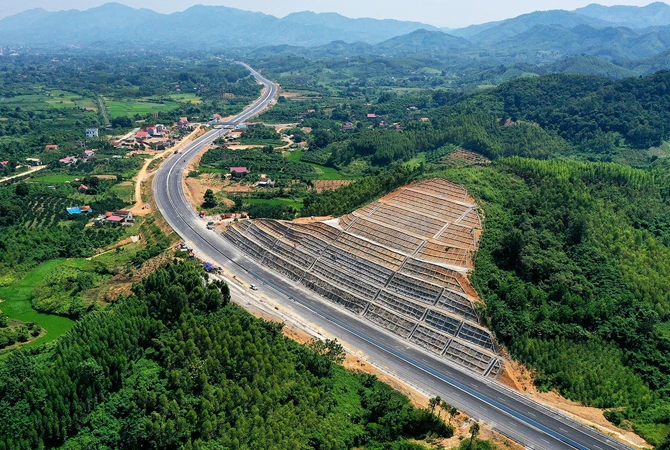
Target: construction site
x,y
400,262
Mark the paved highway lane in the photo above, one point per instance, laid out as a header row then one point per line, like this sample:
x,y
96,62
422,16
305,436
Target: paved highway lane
x,y
516,416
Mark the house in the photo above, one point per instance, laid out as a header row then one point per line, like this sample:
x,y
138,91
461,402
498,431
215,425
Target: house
x,y
425,119
51,147
311,111
233,135
85,209
238,171
216,117
141,136
114,219
73,210
126,215
265,181
34,161
183,122
160,128
372,116
88,154
4,163
68,160
91,133
82,188
412,108
348,126
122,216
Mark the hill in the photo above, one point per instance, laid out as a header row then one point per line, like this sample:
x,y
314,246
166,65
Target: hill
x,y
424,42
497,31
113,24
588,65
654,14
612,43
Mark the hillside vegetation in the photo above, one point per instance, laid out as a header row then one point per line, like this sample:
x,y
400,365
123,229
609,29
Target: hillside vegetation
x,y
177,366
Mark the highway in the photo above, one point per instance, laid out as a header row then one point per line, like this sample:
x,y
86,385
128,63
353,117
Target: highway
x,y
509,412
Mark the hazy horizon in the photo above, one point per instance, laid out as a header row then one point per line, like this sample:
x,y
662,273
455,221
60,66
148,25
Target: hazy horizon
x,y
441,13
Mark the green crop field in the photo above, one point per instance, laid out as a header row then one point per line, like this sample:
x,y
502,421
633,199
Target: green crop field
x,y
130,108
54,179
125,191
186,98
16,303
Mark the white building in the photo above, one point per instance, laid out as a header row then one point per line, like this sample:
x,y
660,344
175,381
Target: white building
x,y
91,133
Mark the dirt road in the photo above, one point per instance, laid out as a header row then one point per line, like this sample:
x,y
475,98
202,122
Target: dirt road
x,y
22,174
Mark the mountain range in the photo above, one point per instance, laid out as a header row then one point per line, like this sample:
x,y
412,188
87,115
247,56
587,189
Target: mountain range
x,y
617,34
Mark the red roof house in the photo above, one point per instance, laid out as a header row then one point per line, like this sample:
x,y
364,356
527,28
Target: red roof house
x,y
114,219
51,147
141,135
372,116
239,170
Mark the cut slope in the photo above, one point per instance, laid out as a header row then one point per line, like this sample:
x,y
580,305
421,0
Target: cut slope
x,y
400,262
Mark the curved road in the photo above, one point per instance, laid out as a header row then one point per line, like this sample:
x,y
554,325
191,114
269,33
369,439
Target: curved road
x,y
509,412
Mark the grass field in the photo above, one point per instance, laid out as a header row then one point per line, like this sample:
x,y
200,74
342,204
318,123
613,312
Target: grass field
x,y
297,204
130,108
204,169
125,191
46,100
54,179
325,173
17,305
416,161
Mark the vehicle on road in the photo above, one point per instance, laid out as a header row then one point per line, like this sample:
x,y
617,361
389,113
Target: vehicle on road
x,y
253,287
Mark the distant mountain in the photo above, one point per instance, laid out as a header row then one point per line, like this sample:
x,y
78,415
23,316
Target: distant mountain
x,y
609,43
420,43
212,26
492,32
423,42
655,14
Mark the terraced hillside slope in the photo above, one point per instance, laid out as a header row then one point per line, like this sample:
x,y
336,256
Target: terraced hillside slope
x,y
400,262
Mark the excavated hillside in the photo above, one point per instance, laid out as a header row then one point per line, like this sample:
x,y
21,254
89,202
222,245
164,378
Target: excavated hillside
x,y
400,262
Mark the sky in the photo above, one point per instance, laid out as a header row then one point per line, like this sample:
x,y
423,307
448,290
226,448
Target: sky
x,y
443,13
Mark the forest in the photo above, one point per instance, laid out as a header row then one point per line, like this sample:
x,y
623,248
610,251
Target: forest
x,y
573,268
176,365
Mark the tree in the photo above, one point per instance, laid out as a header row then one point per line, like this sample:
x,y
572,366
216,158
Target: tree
x,y
448,409
210,200
433,403
329,348
474,432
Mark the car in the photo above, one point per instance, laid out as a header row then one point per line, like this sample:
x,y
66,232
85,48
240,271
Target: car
x,y
253,287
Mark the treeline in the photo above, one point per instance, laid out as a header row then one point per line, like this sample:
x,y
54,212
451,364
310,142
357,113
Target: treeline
x,y
176,366
357,194
573,267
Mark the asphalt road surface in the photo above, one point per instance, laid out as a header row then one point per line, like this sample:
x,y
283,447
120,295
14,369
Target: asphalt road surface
x,y
509,412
